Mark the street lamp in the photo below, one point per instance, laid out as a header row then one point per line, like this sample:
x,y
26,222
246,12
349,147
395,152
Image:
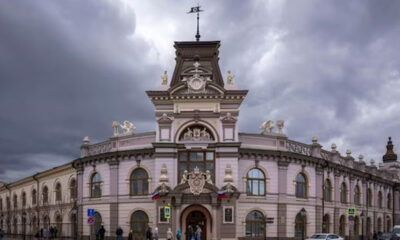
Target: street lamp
x,y
303,215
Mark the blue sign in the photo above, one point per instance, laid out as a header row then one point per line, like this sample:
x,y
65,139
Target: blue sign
x,y
90,212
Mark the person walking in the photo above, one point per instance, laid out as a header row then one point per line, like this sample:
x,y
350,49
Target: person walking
x,y
155,233
178,234
170,235
1,234
119,233
198,233
189,233
149,234
130,235
102,232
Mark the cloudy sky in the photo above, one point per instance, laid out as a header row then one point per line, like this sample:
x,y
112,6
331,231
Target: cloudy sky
x,y
69,68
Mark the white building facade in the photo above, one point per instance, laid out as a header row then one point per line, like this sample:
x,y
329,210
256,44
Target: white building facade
x,y
232,185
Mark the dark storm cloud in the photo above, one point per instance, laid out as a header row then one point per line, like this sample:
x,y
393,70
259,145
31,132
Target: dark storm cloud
x,y
69,68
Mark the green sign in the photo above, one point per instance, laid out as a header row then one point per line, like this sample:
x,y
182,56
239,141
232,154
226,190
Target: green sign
x,y
167,212
351,211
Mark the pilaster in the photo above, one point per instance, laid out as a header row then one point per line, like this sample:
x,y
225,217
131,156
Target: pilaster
x,y
114,168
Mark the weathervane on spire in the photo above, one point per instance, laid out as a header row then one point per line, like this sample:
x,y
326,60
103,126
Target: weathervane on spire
x,y
197,10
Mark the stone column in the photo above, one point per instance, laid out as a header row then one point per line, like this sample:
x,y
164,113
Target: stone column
x,y
319,210
79,184
282,205
336,188
396,206
214,222
114,167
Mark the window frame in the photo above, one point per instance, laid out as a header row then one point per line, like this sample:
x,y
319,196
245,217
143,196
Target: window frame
x,y
92,183
145,191
45,197
328,191
357,195
58,191
258,180
343,193
258,223
305,184
161,208
188,161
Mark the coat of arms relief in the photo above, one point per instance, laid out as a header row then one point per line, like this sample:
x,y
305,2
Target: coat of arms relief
x,y
196,180
197,82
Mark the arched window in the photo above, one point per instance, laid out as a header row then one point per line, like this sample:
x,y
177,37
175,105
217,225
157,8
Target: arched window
x,y
356,226
327,190
8,203
95,186
46,222
139,224
45,195
357,195
388,224
23,199
343,193
255,182
301,186
58,192
379,225
15,226
59,224
255,224
72,189
97,222
139,182
369,226
15,201
325,223
342,226
389,201
380,199
369,197
300,227
34,197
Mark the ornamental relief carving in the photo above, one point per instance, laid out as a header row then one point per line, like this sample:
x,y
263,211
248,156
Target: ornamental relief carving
x,y
196,133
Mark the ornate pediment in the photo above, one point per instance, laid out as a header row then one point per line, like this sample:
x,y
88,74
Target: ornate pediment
x,y
196,80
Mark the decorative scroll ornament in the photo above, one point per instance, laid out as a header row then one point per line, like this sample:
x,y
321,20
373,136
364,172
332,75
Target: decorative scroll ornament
x,y
196,134
196,181
267,126
196,83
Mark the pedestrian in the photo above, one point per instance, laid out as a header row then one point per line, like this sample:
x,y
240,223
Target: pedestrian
x,y
198,232
55,232
41,233
170,235
119,233
155,233
189,233
130,235
149,234
178,234
102,232
375,236
51,230
1,234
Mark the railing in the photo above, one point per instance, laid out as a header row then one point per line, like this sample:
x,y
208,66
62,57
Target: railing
x,y
297,147
100,148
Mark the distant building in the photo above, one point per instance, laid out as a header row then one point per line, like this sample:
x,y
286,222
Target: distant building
x,y
232,185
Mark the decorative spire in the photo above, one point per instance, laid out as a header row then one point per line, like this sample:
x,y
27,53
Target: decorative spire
x,y
197,10
389,156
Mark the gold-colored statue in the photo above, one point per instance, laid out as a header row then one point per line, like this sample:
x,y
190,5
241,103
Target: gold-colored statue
x,y
229,78
164,78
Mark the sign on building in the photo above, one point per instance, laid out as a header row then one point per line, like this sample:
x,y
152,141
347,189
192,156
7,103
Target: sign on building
x,y
351,211
167,212
90,212
90,220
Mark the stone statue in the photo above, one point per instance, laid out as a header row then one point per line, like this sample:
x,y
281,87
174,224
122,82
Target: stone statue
x,y
208,177
280,124
267,126
205,134
115,126
229,78
127,127
164,78
184,177
188,133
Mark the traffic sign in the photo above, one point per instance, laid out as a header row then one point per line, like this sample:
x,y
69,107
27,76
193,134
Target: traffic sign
x,y
167,212
351,211
90,220
90,212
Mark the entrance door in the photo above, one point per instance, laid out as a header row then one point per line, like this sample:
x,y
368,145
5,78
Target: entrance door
x,y
194,219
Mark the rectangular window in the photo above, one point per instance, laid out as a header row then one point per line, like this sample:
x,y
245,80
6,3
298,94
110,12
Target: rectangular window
x,y
191,159
162,218
228,215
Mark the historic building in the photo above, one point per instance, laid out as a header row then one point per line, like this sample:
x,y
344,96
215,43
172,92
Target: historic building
x,y
197,164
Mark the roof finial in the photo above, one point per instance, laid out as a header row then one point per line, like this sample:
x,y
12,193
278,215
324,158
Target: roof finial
x,y
390,155
197,10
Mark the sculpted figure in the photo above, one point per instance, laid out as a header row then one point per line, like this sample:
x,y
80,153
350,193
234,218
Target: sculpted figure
x,y
208,177
267,126
127,127
229,78
205,134
164,78
196,132
184,177
188,133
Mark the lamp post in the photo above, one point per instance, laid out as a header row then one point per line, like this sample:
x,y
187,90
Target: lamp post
x,y
75,214
303,214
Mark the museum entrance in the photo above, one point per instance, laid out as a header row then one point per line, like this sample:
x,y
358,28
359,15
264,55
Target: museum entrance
x,y
193,216
194,220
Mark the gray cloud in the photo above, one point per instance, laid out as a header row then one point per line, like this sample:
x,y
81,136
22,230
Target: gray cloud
x,y
69,68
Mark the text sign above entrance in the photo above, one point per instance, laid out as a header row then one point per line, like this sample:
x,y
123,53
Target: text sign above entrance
x,y
351,211
90,212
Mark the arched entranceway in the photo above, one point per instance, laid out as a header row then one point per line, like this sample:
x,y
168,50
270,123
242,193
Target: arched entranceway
x,y
193,216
